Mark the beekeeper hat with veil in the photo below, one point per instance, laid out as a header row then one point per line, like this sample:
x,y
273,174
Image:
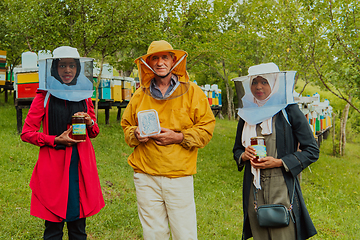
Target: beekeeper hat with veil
x,y
146,73
81,86
255,111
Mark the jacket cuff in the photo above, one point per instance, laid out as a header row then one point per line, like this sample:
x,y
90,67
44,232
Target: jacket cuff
x,y
91,125
185,143
285,166
240,162
133,141
50,140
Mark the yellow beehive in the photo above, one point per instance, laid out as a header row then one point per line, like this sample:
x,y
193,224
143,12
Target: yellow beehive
x,y
116,90
2,76
126,94
27,82
27,78
126,84
3,53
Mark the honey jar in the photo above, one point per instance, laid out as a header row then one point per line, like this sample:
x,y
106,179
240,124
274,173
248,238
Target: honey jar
x,y
259,144
78,127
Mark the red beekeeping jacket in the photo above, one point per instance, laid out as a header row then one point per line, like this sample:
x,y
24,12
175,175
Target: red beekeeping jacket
x,y
50,178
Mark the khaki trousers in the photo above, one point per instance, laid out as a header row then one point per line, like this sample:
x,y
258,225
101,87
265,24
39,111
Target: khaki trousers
x,y
274,191
166,201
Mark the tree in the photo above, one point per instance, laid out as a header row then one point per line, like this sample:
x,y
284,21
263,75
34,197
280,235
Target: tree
x,y
208,32
96,28
12,38
338,67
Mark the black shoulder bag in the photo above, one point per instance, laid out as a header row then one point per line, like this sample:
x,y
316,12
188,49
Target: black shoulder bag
x,y
273,215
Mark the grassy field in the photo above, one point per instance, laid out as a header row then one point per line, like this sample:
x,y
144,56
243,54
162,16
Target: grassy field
x,y
331,187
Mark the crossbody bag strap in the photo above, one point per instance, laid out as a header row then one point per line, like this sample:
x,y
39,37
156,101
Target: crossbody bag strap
x,y
292,198
291,201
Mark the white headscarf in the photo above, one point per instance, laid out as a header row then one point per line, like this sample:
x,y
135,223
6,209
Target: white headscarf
x,y
274,85
249,131
281,82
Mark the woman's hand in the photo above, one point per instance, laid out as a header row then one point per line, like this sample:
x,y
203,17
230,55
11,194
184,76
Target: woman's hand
x,y
249,154
266,162
88,119
65,139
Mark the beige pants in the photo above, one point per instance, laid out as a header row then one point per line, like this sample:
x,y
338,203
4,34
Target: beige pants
x,y
166,201
273,191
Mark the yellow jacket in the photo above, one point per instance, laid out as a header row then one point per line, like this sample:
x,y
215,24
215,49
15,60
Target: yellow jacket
x,y
189,114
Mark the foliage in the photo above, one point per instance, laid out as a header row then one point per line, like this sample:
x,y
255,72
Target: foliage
x,y
353,128
318,39
12,39
223,38
206,31
93,27
335,47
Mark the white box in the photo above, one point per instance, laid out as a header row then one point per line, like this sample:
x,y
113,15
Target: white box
x,y
149,123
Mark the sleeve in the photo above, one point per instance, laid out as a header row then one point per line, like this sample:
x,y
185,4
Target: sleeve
x,y
30,132
200,134
309,151
238,148
93,131
129,125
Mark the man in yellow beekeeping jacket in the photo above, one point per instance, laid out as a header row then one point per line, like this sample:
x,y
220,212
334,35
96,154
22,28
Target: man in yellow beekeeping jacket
x,y
164,163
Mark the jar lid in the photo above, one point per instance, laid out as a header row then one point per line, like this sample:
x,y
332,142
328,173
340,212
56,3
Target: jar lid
x,y
260,137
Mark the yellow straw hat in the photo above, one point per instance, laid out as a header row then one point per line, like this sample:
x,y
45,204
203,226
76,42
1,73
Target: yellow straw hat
x,y
147,74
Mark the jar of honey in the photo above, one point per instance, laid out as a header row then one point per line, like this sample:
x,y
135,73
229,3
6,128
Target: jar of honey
x,y
78,127
259,144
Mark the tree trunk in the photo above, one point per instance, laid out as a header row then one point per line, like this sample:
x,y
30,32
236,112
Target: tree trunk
x,y
125,73
97,84
229,100
333,134
343,121
229,94
229,91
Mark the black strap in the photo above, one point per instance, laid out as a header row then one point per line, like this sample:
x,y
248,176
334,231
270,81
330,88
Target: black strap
x,y
255,202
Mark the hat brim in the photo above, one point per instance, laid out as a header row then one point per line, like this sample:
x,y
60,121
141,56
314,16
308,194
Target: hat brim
x,y
82,59
243,78
178,54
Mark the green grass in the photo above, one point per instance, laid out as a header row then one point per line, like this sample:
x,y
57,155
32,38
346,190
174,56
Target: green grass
x,y
331,188
332,193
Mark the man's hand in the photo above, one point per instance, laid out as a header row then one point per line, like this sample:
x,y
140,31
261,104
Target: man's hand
x,y
65,138
140,138
167,136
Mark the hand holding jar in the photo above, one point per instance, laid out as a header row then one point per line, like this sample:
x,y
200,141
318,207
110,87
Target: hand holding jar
x,y
79,122
260,159
88,120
